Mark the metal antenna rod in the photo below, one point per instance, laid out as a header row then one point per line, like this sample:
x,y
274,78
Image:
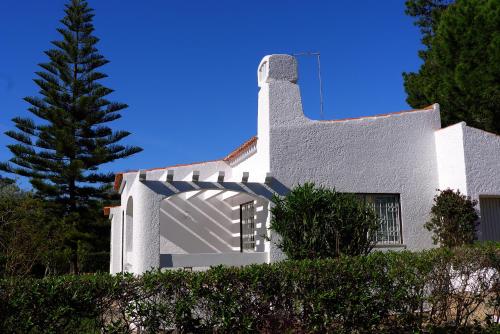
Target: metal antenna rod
x,y
318,55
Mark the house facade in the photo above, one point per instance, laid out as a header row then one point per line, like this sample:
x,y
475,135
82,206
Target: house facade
x,y
218,212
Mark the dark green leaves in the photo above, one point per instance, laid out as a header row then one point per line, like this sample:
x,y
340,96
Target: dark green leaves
x,y
453,219
315,222
461,68
67,138
392,292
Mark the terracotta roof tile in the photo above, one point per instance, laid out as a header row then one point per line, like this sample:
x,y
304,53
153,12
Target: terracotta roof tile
x,y
118,181
241,149
107,209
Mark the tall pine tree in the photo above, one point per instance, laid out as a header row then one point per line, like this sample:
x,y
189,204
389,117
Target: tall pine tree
x,y
461,61
62,150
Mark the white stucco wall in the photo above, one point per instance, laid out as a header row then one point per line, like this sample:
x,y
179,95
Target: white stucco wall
x,y
402,153
482,156
115,239
253,165
482,162
469,160
450,158
386,154
146,225
187,223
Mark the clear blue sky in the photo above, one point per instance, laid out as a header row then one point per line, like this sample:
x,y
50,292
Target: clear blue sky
x,y
187,69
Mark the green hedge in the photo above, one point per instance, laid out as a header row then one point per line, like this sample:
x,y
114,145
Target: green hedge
x,y
383,292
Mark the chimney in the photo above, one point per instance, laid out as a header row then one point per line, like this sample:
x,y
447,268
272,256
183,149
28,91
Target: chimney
x,y
280,104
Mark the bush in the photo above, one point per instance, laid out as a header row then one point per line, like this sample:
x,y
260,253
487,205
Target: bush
x,y
453,219
94,262
26,231
315,222
449,290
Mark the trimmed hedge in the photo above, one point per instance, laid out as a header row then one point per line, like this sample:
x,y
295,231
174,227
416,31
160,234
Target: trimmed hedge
x,y
393,292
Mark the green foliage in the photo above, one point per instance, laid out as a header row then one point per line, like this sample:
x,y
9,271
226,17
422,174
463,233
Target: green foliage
x,y
61,154
315,222
33,239
62,149
393,292
427,14
28,233
453,219
461,68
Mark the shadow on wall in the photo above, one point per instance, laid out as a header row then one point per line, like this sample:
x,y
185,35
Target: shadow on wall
x,y
201,222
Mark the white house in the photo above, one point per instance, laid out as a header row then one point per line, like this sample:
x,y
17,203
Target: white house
x,y
217,212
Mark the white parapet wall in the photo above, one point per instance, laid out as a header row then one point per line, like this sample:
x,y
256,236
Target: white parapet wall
x,y
482,162
393,154
450,157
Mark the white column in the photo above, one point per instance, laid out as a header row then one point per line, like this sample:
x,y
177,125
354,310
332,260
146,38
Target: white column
x,y
112,253
146,238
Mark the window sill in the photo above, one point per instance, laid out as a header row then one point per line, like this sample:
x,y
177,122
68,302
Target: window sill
x,y
403,246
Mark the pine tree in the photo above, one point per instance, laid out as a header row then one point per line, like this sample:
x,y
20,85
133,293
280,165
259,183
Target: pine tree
x,y
461,61
62,150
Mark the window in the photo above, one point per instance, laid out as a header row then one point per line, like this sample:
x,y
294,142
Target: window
x,y
489,229
387,207
247,227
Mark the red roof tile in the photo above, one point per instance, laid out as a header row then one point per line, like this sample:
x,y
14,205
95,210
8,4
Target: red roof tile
x,y
107,209
241,149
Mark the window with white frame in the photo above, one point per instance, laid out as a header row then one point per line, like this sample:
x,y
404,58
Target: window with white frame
x,y
247,226
388,209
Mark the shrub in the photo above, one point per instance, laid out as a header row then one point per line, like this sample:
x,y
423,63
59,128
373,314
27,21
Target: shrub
x,y
440,290
26,231
453,219
315,222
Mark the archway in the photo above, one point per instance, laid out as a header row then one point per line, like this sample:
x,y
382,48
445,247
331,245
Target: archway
x,y
129,233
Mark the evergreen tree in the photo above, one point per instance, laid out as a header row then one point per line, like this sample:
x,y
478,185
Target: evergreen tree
x,y
62,150
461,68
427,14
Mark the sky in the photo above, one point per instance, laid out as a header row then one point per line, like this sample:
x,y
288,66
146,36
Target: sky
x,y
188,69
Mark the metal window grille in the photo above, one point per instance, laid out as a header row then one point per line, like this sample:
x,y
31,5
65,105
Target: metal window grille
x,y
387,208
247,226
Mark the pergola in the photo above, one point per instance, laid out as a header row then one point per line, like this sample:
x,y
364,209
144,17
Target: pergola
x,y
142,219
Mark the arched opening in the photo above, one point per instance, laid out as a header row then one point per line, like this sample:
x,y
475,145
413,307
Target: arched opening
x,y
129,225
